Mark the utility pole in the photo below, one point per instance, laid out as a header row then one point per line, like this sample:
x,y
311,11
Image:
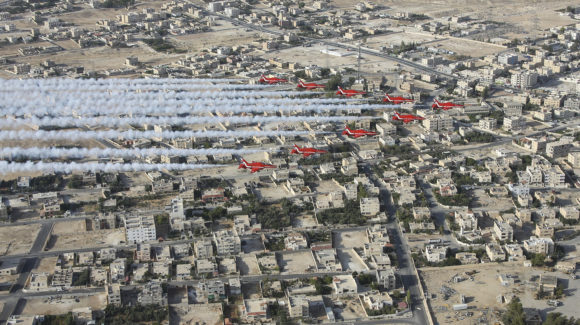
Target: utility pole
x,y
358,64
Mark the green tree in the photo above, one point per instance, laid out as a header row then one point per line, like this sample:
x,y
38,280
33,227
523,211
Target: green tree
x,y
334,82
514,314
538,259
559,319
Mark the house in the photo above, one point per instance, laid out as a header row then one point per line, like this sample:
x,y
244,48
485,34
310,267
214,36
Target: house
x,y
227,242
466,219
570,212
435,254
235,286
370,206
183,272
344,284
206,266
515,252
536,245
203,248
420,213
298,306
375,300
494,252
547,283
386,278
295,241
255,310
503,231
467,258
139,229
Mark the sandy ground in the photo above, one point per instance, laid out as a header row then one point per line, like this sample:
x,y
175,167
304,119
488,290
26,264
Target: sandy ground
x,y
349,239
304,222
479,294
296,262
46,264
486,203
64,305
89,239
69,227
248,265
352,309
350,261
17,239
209,314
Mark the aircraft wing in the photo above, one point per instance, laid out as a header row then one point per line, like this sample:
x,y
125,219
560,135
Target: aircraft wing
x,y
256,169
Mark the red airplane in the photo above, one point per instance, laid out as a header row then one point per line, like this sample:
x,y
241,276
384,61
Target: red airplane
x,y
407,118
309,86
444,106
271,80
305,152
254,166
397,99
349,92
357,133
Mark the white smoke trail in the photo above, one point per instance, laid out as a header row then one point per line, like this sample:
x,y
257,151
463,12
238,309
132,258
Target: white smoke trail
x,y
57,167
185,108
111,121
77,153
82,86
115,134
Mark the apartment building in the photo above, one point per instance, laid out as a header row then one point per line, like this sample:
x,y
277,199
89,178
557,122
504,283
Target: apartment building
x,y
503,231
227,242
139,229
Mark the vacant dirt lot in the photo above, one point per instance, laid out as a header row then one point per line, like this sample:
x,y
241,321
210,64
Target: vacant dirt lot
x,y
69,227
46,264
88,239
17,239
58,306
350,260
479,294
352,309
209,314
349,239
296,262
248,265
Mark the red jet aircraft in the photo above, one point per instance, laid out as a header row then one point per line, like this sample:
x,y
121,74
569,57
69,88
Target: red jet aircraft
x,y
349,92
305,152
357,133
310,85
254,166
444,106
407,118
272,80
396,99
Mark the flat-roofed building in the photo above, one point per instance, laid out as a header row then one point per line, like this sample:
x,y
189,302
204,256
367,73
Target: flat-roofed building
x,y
139,229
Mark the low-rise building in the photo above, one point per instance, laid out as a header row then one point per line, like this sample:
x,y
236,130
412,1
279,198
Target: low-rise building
x,y
495,252
503,231
139,229
344,284
370,206
435,254
536,245
467,258
227,242
386,278
295,241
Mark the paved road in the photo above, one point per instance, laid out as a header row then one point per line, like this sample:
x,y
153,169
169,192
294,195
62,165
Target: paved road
x,y
28,265
330,43
406,267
